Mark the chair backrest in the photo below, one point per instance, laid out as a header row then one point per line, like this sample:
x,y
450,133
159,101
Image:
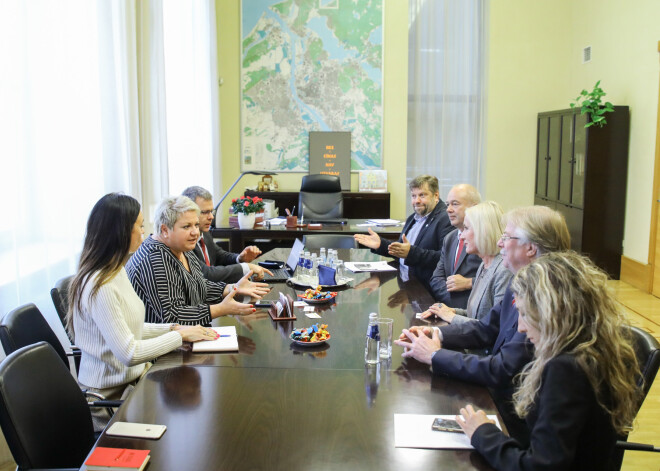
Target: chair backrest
x,y
647,350
25,326
60,296
320,197
43,414
329,241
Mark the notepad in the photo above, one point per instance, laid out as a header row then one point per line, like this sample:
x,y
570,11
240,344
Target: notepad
x,y
227,342
117,459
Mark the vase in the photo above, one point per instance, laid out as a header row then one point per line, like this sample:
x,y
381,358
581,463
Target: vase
x,y
246,221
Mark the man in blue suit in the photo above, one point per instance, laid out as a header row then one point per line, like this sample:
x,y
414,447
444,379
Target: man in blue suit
x,y
418,248
451,283
530,232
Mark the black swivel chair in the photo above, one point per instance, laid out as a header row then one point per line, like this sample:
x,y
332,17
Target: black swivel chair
x,y
320,198
60,296
43,416
25,326
329,241
647,350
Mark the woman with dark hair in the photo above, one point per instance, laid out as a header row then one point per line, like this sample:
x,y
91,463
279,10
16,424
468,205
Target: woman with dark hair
x,y
106,317
580,390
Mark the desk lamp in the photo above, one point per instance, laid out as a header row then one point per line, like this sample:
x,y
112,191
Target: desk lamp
x,y
251,172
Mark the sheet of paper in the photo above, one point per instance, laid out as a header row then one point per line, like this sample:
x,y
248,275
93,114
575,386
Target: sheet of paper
x,y
414,431
312,315
277,221
356,267
384,222
227,342
309,309
299,304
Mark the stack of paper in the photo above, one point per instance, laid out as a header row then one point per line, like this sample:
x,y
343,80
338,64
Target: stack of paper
x,y
384,222
227,342
356,267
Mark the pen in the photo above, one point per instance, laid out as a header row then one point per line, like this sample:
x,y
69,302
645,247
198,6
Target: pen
x,y
225,335
288,213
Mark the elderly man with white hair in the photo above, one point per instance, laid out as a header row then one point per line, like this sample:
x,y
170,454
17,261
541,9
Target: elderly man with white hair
x,y
167,276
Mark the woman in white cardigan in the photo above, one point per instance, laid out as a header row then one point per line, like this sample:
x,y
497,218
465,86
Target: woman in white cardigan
x,y
106,317
482,229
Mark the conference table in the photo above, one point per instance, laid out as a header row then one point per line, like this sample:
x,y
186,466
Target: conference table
x,y
241,238
277,405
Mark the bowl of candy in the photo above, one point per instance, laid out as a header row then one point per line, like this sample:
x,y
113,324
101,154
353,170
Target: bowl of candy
x,y
307,336
316,296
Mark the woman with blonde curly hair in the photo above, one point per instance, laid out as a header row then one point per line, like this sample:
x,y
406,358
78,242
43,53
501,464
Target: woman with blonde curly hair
x,y
580,390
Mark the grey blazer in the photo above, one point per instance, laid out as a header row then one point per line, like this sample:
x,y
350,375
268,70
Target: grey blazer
x,y
488,290
223,264
467,267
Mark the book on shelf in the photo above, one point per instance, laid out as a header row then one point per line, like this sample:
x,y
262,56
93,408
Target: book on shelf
x,y
227,342
117,459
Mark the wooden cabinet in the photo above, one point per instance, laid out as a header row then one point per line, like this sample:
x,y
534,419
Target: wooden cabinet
x,y
357,205
582,173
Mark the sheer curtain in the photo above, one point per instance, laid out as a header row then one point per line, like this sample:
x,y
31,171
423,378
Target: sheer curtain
x,y
179,107
68,135
447,90
97,96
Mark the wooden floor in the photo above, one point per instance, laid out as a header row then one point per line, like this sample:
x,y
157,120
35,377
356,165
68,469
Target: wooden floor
x,y
644,311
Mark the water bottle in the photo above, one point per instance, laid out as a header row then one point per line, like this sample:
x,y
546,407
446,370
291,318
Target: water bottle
x,y
331,257
322,254
372,346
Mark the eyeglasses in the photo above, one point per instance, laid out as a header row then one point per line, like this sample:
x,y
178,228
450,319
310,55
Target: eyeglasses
x,y
504,237
206,213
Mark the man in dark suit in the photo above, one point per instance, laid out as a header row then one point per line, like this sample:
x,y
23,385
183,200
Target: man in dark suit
x,y
530,232
451,282
218,264
418,248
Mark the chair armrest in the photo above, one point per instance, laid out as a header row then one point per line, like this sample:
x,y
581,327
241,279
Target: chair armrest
x,y
636,446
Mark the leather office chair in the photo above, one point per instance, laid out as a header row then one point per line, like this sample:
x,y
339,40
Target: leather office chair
x,y
43,416
647,350
329,241
25,326
60,296
320,197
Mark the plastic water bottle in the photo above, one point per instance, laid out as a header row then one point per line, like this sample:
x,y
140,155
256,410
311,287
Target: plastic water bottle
x,y
322,254
372,346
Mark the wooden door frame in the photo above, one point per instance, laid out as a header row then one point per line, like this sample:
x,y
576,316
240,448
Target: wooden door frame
x,y
656,196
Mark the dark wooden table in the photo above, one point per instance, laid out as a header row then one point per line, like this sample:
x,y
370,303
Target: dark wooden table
x,y
275,405
240,238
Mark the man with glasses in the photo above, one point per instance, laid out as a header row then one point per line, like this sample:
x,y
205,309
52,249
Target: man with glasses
x,y
418,248
218,264
530,232
451,283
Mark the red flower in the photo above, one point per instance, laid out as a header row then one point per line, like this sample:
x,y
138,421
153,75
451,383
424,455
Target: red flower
x,y
247,203
234,200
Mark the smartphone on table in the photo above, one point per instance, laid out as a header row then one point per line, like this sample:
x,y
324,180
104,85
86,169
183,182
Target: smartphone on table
x,y
446,425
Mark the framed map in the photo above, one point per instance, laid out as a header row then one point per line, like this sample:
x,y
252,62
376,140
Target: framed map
x,y
310,65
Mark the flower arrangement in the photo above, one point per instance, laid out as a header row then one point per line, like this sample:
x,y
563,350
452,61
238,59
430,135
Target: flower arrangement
x,y
247,205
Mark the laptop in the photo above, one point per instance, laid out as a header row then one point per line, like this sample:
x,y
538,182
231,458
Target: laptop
x,y
283,274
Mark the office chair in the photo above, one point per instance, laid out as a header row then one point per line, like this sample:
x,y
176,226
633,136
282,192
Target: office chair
x,y
329,241
647,350
43,416
25,326
60,296
320,197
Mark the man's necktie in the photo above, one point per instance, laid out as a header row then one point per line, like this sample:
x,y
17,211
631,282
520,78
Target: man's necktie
x,y
204,252
458,252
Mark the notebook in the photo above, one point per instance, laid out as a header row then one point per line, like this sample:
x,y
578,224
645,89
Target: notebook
x,y
227,342
283,274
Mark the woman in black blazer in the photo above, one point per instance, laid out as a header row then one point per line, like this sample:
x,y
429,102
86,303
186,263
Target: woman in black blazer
x,y
580,390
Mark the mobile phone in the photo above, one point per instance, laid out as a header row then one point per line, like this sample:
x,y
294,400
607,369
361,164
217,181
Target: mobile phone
x,y
446,425
135,430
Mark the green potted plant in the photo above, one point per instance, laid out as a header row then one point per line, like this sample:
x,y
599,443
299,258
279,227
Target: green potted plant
x,y
591,103
247,207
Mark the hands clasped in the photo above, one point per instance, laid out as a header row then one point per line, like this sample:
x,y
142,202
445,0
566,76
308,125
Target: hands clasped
x,y
419,343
